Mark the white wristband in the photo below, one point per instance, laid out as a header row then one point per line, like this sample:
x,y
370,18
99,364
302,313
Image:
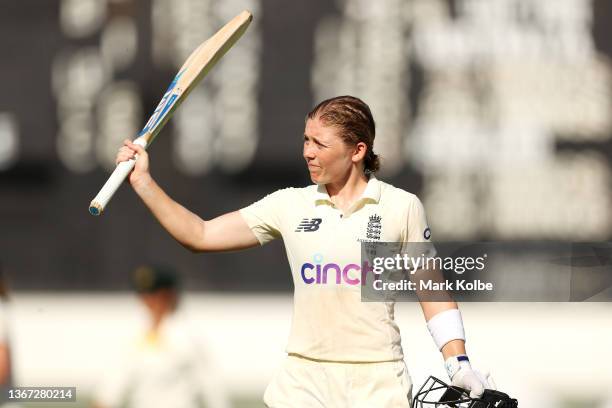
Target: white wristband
x,y
446,326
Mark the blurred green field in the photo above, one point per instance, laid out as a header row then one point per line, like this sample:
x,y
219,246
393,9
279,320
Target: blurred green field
x,y
256,402
85,402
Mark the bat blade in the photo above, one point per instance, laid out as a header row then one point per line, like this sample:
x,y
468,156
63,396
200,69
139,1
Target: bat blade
x,y
197,65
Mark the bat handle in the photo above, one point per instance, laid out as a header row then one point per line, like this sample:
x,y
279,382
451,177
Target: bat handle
x,y
112,184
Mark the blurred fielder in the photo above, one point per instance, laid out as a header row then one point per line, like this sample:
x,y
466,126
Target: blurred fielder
x,y
341,352
6,372
166,366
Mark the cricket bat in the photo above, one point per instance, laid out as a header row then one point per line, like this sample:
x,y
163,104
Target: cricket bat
x,y
197,65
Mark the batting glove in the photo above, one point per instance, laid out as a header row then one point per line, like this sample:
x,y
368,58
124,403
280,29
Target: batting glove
x,y
462,375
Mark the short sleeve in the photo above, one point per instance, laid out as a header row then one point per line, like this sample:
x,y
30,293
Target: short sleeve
x,y
417,236
264,216
417,228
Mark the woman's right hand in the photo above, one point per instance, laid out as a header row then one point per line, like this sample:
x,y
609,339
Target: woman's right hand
x,y
140,174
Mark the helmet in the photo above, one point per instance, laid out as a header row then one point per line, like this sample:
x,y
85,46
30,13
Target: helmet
x,y
437,394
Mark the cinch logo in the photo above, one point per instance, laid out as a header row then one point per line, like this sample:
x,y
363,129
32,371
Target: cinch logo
x,y
319,273
309,225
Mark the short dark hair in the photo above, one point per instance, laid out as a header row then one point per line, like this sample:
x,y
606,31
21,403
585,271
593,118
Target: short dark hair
x,y
152,278
353,118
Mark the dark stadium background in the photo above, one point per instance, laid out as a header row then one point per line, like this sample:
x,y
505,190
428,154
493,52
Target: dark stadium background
x,y
48,241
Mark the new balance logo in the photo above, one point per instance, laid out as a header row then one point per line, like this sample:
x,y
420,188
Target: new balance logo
x,y
309,225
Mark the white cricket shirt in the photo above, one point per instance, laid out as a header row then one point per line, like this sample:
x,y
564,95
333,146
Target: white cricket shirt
x,y
330,322
165,370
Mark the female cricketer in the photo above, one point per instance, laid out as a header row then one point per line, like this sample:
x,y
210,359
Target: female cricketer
x,y
342,352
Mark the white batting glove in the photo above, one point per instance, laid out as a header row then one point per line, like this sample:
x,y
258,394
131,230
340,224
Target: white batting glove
x,y
462,375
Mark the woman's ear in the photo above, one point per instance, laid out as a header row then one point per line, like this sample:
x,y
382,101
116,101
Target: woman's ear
x,y
359,152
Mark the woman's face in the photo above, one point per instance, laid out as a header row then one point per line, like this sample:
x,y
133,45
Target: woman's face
x,y
160,302
328,157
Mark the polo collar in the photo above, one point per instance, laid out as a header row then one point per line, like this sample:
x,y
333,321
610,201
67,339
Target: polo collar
x,y
371,192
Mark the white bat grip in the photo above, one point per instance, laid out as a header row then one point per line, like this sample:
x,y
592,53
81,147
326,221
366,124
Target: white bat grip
x,y
112,184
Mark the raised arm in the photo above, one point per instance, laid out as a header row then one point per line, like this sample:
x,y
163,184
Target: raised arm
x,y
225,233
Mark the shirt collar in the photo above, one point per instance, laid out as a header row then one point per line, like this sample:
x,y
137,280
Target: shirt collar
x,y
371,192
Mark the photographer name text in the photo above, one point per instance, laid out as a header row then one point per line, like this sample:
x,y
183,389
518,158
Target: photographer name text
x,y
447,285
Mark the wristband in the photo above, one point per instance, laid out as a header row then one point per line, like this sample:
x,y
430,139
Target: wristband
x,y
446,326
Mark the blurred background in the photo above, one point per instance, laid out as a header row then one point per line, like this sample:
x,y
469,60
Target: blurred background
x,y
496,113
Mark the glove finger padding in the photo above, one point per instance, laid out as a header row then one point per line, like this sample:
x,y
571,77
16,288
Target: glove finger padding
x,y
489,380
470,381
486,380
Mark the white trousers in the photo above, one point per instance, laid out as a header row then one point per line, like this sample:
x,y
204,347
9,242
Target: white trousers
x,y
304,383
